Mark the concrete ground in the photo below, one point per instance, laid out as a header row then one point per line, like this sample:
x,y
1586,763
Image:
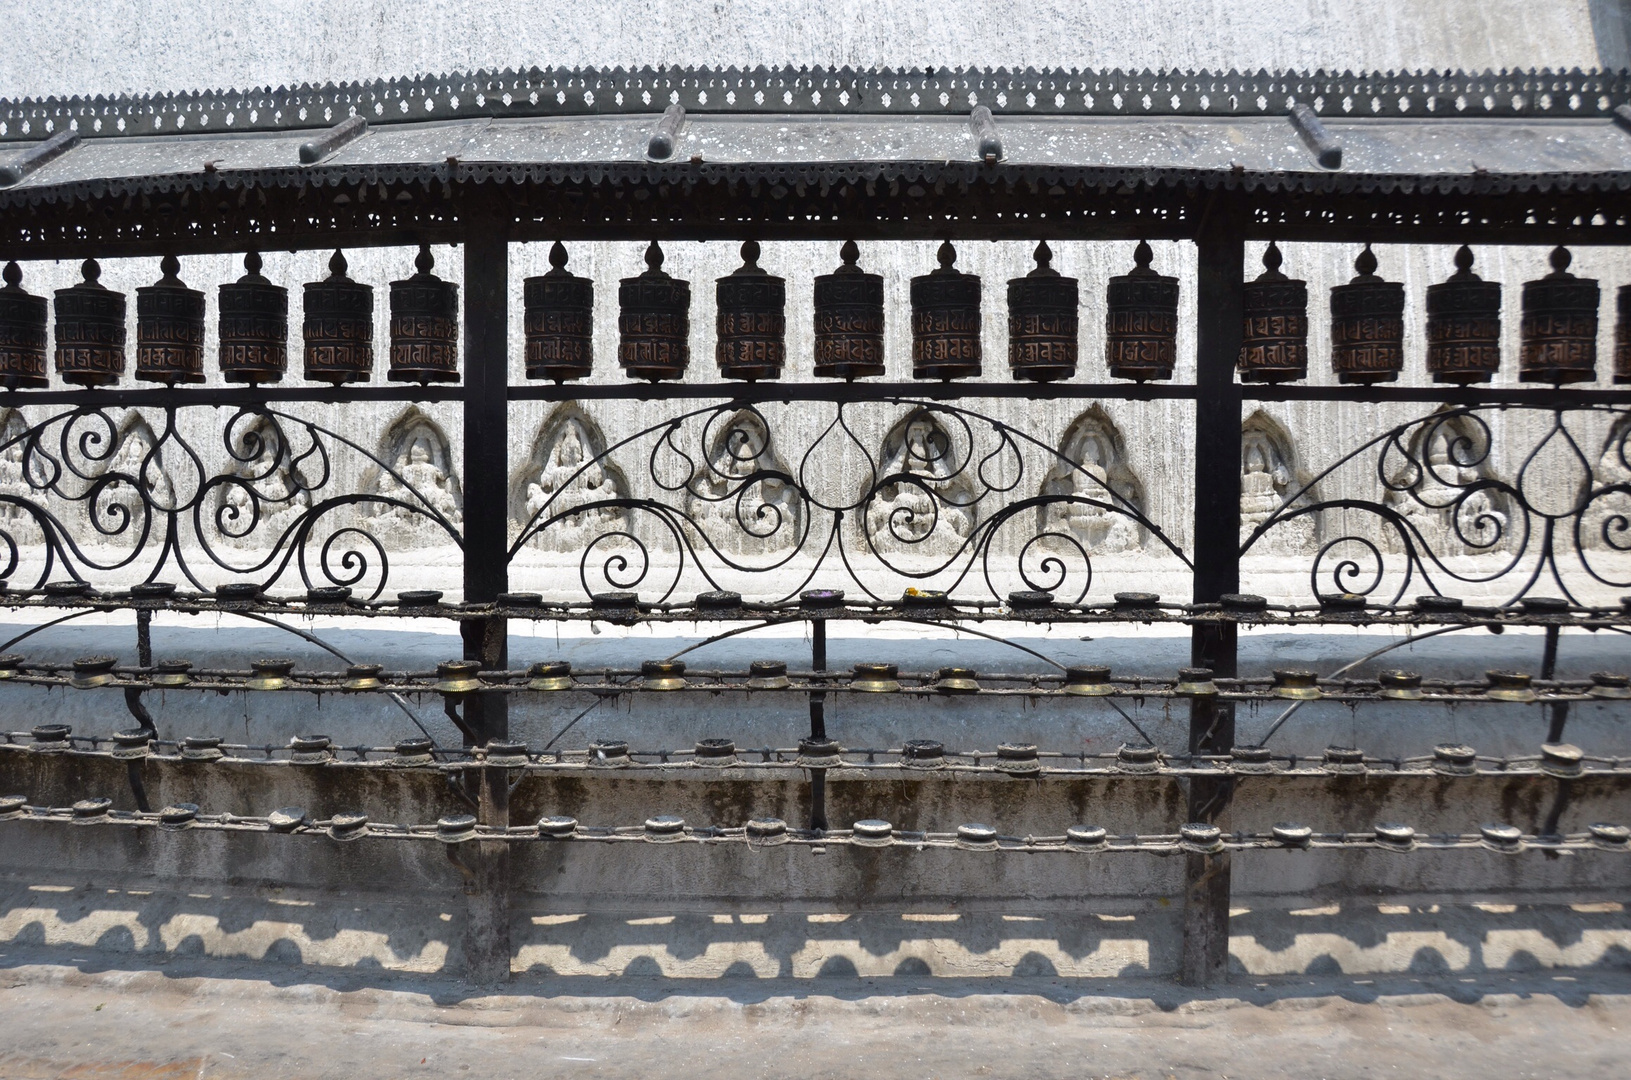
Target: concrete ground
x,y
176,1021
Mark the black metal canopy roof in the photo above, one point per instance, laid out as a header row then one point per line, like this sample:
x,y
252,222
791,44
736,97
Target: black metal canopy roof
x,y
1427,135
833,91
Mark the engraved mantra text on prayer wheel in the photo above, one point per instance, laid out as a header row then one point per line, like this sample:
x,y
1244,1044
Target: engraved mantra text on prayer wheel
x,y
1274,330
1559,326
1141,321
22,334
90,331
169,329
1367,326
339,327
654,322
253,327
752,320
946,321
848,320
1042,322
560,321
424,326
1464,325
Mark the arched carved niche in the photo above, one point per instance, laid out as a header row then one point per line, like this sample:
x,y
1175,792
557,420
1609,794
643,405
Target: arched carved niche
x,y
421,475
923,504
267,493
1272,480
1095,469
12,481
1440,492
568,468
1606,521
740,515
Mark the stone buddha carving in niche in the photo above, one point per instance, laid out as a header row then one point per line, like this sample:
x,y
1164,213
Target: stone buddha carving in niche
x,y
762,516
920,516
1268,478
1601,527
12,481
136,442
1430,507
420,461
282,498
568,479
1101,476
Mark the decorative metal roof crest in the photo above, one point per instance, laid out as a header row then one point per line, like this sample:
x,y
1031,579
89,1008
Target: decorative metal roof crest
x,y
600,91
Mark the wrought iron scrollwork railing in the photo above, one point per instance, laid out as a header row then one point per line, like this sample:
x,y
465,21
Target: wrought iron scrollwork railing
x,y
879,498
1448,515
92,495
948,494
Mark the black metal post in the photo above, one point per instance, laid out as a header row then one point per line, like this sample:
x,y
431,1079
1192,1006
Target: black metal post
x,y
1216,550
1548,670
486,573
818,724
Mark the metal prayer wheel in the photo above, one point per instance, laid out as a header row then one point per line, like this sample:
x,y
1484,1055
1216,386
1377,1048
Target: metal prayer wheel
x,y
90,331
1622,337
1042,322
169,329
653,322
1464,325
560,322
339,327
752,320
1559,326
848,320
1141,321
424,326
1274,327
254,327
22,334
1367,326
946,321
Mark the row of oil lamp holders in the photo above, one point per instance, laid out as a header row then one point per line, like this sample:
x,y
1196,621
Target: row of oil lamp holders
x,y
457,678
1559,760
1191,838
618,607
1558,327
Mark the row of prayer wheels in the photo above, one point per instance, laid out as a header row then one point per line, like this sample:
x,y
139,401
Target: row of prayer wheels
x,y
253,329
1557,330
1558,327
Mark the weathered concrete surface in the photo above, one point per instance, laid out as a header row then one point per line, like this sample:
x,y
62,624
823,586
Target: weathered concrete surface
x,y
676,721
176,1022
60,47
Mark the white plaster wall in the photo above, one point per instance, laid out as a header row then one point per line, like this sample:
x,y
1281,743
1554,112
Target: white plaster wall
x,y
125,46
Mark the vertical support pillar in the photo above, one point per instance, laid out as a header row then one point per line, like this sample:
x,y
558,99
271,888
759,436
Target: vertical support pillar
x,y
1558,710
818,724
1222,254
486,942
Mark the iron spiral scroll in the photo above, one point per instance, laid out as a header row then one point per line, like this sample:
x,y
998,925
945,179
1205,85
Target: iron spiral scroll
x,y
951,498
1537,502
102,492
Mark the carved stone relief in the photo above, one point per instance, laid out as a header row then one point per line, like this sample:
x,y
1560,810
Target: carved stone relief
x,y
421,475
565,471
1440,497
1269,478
138,459
12,428
927,508
1606,523
738,517
1094,443
268,495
